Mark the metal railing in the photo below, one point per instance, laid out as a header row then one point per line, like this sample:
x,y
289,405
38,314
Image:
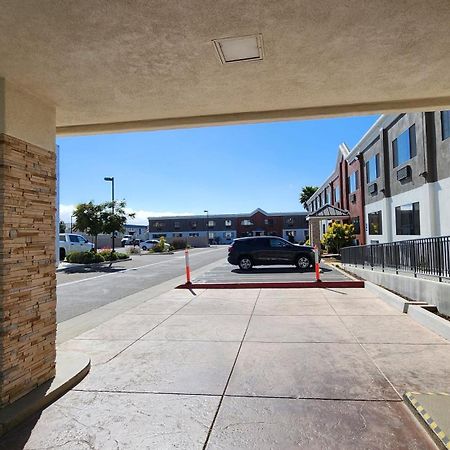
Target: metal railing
x,y
429,256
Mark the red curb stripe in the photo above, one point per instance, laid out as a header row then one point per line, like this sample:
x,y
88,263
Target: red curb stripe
x,y
275,285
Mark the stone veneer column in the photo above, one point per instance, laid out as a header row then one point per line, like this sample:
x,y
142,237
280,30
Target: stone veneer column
x,y
314,232
27,245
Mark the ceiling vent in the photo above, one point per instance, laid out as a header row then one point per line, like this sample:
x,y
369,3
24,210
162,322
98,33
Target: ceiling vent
x,y
239,49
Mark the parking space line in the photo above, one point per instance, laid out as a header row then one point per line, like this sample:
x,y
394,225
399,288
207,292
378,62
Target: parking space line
x,y
131,269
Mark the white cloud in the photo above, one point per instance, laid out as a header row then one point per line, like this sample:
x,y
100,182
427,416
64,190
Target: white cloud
x,y
65,211
142,215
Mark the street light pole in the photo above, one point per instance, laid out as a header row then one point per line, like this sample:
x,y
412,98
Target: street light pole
x,y
207,220
71,227
113,203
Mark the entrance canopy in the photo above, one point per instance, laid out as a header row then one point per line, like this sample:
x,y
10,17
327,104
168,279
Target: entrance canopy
x,y
326,212
115,65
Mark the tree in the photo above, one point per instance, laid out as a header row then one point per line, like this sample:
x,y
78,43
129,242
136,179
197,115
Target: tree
x,y
337,236
88,219
306,193
62,227
115,222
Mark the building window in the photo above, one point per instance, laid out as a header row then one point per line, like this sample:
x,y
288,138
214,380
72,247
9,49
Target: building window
x,y
158,225
211,234
373,168
158,235
268,221
193,224
327,196
247,223
228,235
290,222
353,183
194,234
356,225
176,225
337,195
320,200
445,124
375,223
228,223
407,219
404,147
211,223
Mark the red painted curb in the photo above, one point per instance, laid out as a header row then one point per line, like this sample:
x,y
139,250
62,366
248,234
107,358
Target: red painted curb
x,y
275,285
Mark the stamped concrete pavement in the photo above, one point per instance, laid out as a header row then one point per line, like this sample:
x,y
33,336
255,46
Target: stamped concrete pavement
x,y
259,369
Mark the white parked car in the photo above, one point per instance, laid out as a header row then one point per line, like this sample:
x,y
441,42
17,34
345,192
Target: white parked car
x,y
150,243
69,242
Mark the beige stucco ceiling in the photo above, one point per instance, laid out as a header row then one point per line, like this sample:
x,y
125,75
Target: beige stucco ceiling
x,y
151,64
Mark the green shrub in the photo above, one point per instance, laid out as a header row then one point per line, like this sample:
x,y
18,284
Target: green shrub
x,y
160,246
84,257
108,255
337,236
179,244
133,251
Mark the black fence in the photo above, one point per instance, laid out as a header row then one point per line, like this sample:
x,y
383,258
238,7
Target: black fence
x,y
430,256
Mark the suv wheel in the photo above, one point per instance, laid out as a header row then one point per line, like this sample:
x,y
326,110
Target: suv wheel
x,y
144,248
245,263
303,262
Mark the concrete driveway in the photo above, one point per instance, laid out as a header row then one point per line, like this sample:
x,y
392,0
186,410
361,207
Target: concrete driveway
x,y
259,369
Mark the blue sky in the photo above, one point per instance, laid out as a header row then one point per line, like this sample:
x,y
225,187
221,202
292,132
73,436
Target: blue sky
x,y
228,169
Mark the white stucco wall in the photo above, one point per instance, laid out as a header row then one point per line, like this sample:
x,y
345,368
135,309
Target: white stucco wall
x,y
434,203
442,189
384,206
300,233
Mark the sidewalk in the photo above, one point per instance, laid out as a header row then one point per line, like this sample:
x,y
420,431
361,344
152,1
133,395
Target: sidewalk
x,y
260,369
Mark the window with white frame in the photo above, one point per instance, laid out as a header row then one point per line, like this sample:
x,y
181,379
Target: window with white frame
x,y
404,146
211,223
246,222
337,194
353,183
228,223
407,219
373,168
375,223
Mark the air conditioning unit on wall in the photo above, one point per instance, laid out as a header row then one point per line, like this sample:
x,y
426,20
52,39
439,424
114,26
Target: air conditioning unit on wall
x,y
373,189
404,173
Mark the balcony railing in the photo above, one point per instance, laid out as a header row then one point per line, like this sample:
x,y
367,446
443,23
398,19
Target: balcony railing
x,y
429,256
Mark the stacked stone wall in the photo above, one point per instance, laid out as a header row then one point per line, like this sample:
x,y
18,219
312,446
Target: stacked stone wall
x,y
27,267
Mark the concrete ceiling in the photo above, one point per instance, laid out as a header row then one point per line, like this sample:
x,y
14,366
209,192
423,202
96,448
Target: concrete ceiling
x,y
133,64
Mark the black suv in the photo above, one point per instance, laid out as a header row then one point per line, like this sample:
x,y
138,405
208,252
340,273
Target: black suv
x,y
269,250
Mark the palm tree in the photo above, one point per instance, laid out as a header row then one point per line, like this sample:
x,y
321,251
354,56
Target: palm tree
x,y
306,193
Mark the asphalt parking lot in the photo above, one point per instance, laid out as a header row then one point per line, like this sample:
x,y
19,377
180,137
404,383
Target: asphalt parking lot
x,y
226,273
